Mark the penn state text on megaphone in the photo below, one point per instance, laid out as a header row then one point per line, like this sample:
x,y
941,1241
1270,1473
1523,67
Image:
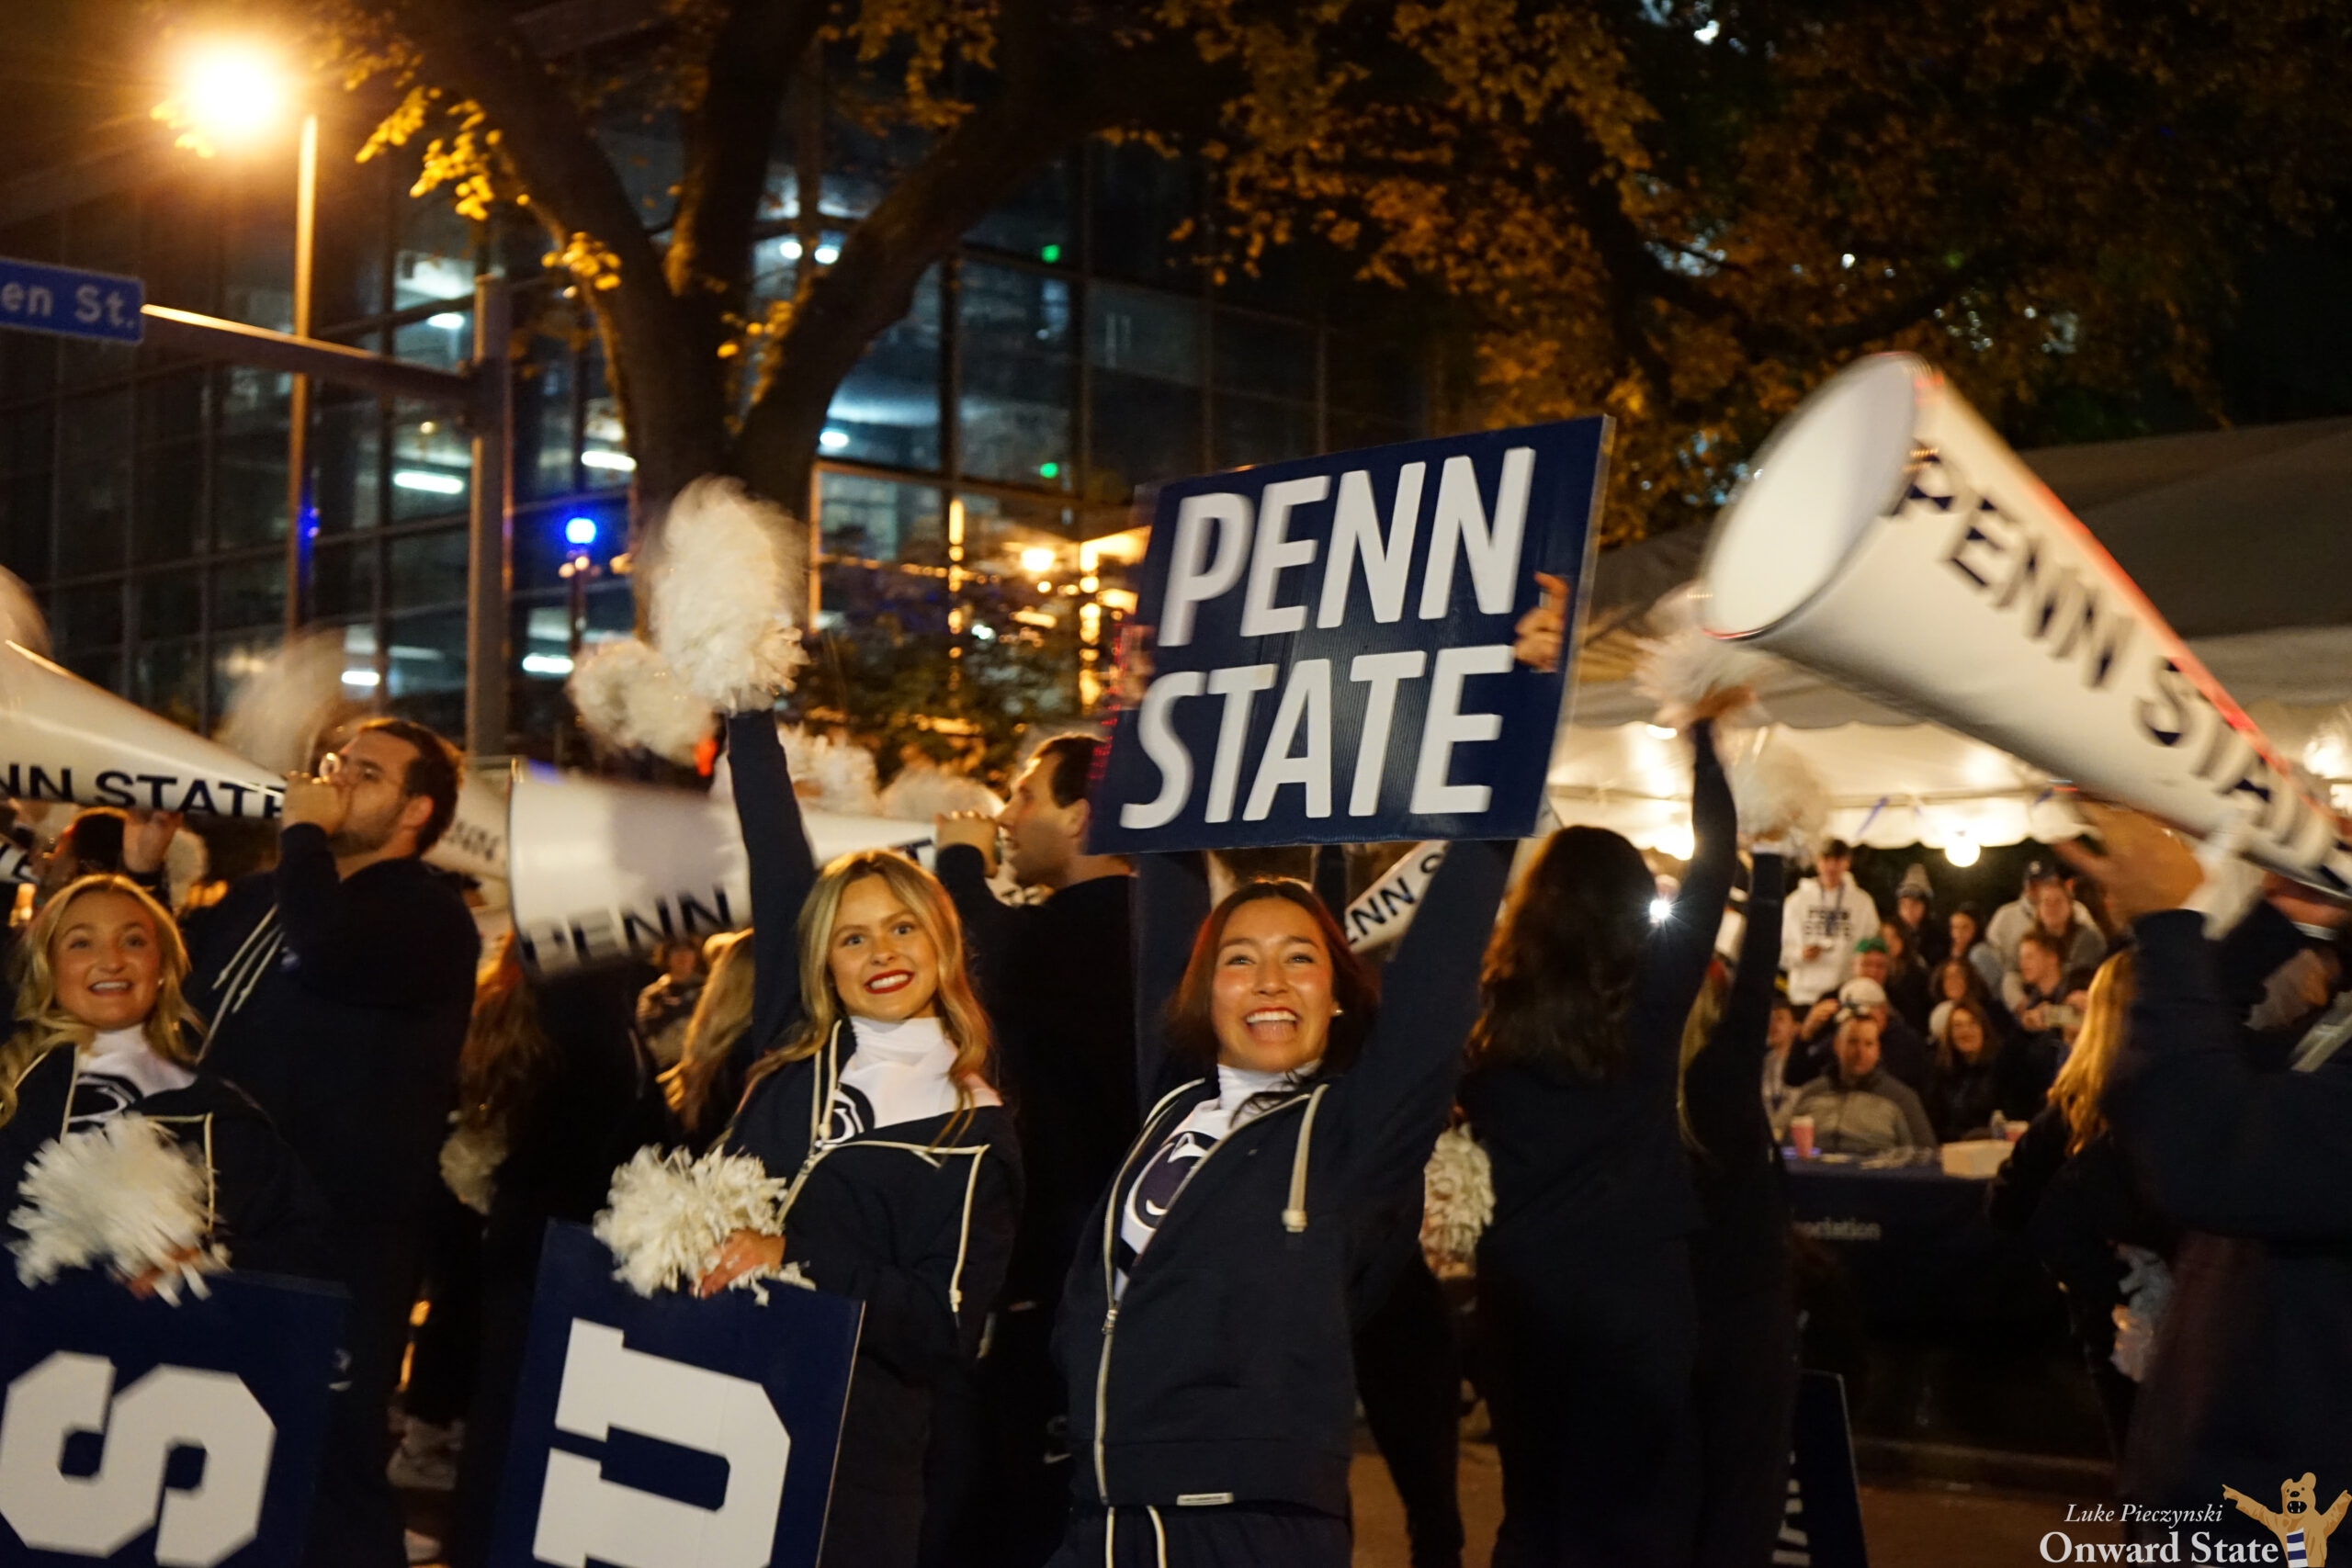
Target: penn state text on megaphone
x,y
1889,540
600,871
63,739
1372,596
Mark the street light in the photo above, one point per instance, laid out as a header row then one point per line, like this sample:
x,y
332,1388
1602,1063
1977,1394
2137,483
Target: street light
x,y
230,92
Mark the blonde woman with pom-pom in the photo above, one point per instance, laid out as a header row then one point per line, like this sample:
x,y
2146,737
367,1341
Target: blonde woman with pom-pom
x,y
873,1096
102,1033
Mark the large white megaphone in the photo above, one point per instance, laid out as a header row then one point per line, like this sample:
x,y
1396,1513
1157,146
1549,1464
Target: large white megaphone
x,y
63,739
1887,539
600,871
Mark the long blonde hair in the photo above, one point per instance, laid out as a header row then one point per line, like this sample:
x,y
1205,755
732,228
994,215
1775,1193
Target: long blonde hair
x,y
2083,1077
960,1013
42,1025
1698,1028
721,1014
506,1054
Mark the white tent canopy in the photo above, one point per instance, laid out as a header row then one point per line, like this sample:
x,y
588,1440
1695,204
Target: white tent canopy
x,y
2242,538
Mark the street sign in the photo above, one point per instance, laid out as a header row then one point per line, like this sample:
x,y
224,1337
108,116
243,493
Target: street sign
x,y
69,302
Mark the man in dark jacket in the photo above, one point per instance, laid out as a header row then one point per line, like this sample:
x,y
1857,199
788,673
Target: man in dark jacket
x,y
338,987
2255,1353
1057,979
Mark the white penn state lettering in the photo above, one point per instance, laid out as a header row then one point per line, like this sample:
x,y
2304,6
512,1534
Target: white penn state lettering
x,y
171,1407
581,1515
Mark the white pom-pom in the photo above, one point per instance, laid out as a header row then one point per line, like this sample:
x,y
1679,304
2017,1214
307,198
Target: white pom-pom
x,y
1458,1202
1778,795
832,773
21,621
124,1195
629,697
185,860
1685,665
671,1213
924,790
730,568
470,1160
286,704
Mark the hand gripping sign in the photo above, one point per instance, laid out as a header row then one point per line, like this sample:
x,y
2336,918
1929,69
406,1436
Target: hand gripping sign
x,y
63,738
671,1432
137,1432
1333,645
1887,539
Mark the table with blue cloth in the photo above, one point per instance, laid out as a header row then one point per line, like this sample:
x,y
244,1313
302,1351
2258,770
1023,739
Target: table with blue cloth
x,y
1917,1245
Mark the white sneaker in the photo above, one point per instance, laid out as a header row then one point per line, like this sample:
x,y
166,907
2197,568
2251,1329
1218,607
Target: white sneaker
x,y
422,1549
426,1460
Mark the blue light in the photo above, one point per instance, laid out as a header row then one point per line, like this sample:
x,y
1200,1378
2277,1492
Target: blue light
x,y
580,531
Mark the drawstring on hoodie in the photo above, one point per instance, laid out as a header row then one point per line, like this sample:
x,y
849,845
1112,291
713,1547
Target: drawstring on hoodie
x,y
1110,1538
246,967
1294,1210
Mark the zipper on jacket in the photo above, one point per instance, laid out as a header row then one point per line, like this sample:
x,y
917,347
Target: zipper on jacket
x,y
1103,1404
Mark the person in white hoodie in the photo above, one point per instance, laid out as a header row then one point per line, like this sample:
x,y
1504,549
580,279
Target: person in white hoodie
x,y
1825,918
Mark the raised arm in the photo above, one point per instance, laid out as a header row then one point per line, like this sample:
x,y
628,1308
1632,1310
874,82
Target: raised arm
x,y
783,871
1721,1085
1681,947
2224,1149
1172,905
1395,1098
988,919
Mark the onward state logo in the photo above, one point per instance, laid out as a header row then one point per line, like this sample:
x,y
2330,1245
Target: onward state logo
x,y
171,1407
2302,1531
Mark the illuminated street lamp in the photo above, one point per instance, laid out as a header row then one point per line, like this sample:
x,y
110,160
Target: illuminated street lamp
x,y
230,93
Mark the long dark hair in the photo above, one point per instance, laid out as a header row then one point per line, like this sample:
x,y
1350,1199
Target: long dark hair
x,y
1561,970
1192,1025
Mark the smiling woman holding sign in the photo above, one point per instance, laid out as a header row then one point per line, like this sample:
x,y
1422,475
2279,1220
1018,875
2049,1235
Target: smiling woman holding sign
x,y
104,1041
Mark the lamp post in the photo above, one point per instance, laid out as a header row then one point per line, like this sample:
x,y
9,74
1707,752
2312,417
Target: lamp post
x,y
231,92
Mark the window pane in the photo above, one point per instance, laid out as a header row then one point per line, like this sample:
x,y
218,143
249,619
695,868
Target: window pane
x,y
168,678
887,409
342,578
1375,375
877,520
434,258
1037,219
103,235
426,670
1264,359
252,593
24,526
429,569
249,479
444,340
93,516
432,464
171,408
26,439
1144,432
1259,430
171,502
169,604
235,658
179,224
84,619
346,489
543,435
604,456
1144,331
257,280
1015,409
28,365
253,398
1139,198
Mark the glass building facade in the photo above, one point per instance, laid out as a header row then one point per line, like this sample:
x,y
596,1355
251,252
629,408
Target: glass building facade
x,y
1067,353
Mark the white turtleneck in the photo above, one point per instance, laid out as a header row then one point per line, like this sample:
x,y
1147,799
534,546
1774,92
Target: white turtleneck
x,y
899,1072
119,1069
1154,1192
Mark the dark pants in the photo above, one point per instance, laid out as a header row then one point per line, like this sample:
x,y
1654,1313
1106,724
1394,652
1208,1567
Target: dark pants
x,y
998,1476
1746,1390
1408,1374
355,1521
505,1330
442,1358
1264,1536
1588,1378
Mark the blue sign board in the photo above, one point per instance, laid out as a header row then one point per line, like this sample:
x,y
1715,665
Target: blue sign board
x,y
1331,645
71,302
671,1432
137,1432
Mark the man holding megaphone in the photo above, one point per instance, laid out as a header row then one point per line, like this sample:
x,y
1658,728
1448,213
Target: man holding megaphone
x,y
338,987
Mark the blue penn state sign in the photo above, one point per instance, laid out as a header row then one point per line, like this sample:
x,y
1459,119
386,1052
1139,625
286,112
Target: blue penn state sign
x,y
671,1432
1333,645
137,1432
